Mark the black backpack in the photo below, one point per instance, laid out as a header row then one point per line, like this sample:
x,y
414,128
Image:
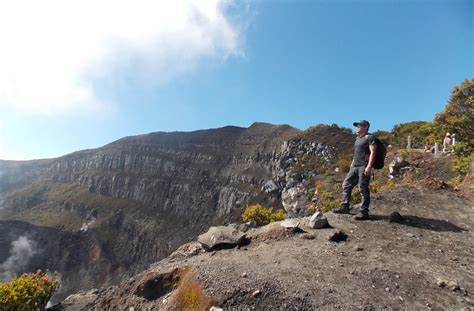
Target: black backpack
x,y
379,154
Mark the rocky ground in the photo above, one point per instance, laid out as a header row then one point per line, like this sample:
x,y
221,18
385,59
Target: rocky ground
x,y
424,262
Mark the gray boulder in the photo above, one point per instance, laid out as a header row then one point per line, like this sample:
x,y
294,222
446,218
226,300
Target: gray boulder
x,y
294,201
271,187
395,167
291,182
221,237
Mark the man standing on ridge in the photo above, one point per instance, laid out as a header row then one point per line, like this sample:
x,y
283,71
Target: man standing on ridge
x,y
360,171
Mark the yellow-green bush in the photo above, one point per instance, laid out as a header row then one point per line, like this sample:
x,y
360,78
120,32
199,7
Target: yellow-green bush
x,y
455,181
328,195
328,201
389,185
356,196
461,165
374,187
31,291
407,154
262,215
344,165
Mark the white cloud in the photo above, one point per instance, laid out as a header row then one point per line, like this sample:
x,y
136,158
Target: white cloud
x,y
54,52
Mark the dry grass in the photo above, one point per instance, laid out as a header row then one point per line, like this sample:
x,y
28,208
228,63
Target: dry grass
x,y
189,294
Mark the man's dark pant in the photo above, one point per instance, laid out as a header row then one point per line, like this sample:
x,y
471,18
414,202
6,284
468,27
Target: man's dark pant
x,y
356,177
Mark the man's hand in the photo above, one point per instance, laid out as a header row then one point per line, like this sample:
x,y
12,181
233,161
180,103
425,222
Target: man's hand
x,y
368,171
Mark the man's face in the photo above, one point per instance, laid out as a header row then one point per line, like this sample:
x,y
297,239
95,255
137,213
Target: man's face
x,y
361,129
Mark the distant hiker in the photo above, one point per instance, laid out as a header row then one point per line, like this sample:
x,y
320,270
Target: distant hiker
x,y
360,171
446,142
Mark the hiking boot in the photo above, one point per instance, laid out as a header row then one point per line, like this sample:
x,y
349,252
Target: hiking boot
x,y
362,215
343,209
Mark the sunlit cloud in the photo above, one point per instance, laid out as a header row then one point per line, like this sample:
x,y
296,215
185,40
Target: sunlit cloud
x,y
54,53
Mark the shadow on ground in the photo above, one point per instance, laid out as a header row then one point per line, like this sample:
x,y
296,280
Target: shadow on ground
x,y
423,223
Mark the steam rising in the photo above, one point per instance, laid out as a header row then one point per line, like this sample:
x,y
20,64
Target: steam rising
x,y
21,252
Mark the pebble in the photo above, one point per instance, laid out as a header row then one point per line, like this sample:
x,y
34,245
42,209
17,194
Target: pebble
x,y
307,236
256,293
358,248
244,275
453,285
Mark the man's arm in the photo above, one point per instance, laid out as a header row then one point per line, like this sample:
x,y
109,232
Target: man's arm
x,y
373,150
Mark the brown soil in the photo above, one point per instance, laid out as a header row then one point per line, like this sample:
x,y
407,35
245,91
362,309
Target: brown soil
x,y
425,262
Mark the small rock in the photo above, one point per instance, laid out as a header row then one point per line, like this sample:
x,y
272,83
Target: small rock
x,y
395,217
244,275
387,289
358,248
453,285
338,236
290,225
441,283
215,309
318,221
256,293
307,236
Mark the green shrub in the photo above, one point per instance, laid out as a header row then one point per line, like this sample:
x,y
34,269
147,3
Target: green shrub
x,y
461,165
458,116
262,215
31,291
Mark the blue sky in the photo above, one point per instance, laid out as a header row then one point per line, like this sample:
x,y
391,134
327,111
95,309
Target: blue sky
x,y
284,62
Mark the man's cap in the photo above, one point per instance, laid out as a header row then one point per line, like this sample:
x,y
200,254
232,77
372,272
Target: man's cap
x,y
447,134
362,122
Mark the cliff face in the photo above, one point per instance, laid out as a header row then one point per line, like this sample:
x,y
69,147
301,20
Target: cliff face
x,y
134,201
